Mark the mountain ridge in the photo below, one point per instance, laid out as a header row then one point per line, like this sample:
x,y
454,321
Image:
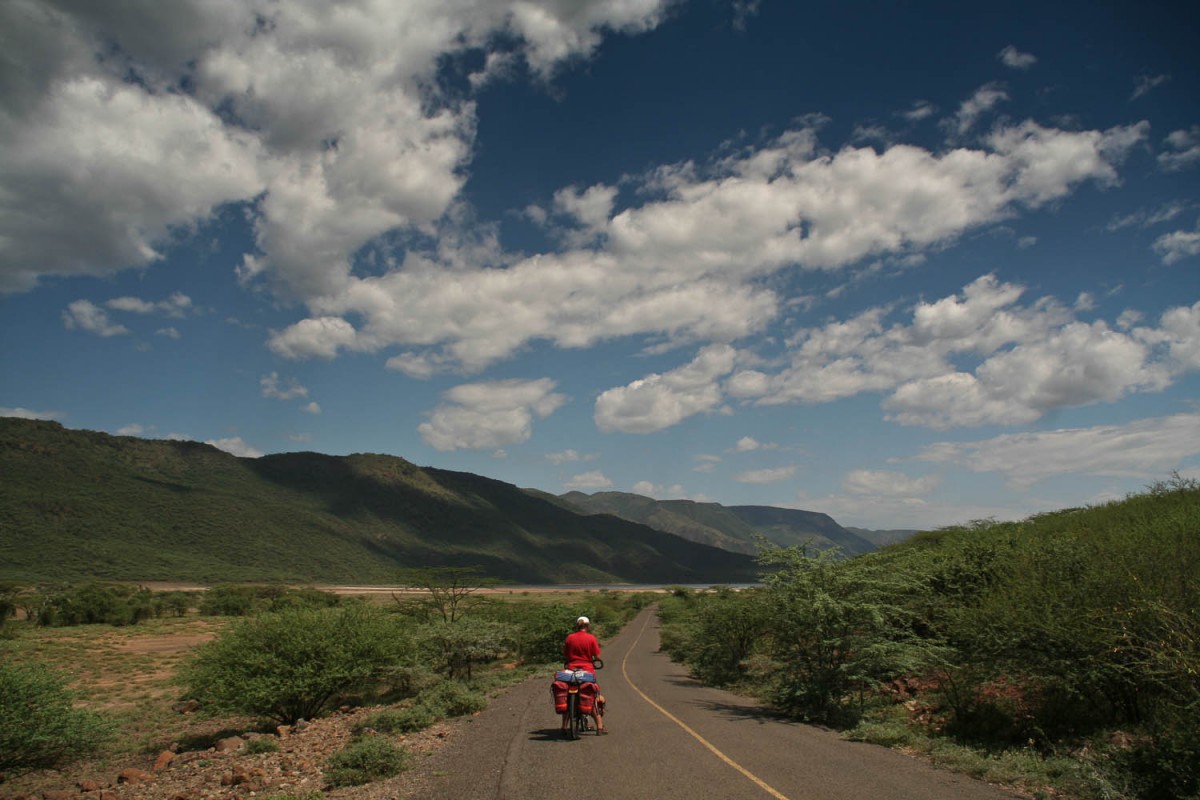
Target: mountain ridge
x,y
84,504
736,528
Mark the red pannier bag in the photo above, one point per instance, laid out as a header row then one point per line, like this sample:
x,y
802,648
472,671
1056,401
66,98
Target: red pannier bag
x,y
587,697
559,690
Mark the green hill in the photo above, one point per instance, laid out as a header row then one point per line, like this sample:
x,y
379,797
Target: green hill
x,y
885,537
735,528
80,505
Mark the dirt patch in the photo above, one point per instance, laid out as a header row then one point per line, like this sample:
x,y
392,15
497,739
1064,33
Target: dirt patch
x,y
166,644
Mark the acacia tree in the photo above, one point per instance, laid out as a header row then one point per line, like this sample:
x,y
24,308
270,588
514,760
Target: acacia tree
x,y
457,648
728,627
835,632
448,590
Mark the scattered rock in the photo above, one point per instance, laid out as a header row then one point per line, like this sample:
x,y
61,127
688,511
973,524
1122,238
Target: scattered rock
x,y
230,744
235,778
283,731
163,761
296,769
134,775
187,758
186,706
58,794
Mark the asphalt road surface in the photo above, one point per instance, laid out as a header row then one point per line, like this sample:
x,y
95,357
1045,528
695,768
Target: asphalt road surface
x,y
671,738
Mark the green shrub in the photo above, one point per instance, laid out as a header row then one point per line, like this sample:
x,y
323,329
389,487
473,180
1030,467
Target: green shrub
x,y
293,664
9,592
389,720
228,601
414,718
173,603
231,600
728,627
39,725
95,603
1165,765
541,630
262,744
452,699
368,759
305,597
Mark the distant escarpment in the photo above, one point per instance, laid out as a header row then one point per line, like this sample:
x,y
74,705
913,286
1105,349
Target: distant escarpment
x,y
85,505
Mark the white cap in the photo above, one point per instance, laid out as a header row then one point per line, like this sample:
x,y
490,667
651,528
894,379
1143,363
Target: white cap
x,y
583,621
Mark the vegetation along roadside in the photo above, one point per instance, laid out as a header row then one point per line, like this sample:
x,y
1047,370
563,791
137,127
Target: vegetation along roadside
x,y
263,690
1060,654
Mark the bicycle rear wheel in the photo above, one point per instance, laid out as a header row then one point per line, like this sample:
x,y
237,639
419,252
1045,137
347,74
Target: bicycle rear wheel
x,y
573,716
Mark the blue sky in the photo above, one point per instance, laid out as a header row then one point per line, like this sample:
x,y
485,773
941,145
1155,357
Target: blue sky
x,y
907,264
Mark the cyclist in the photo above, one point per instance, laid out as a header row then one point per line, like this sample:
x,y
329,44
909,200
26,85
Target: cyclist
x,y
579,651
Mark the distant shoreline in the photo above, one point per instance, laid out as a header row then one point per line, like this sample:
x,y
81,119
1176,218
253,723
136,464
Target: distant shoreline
x,y
351,589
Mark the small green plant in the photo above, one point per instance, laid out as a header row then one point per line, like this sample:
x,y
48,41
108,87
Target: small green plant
x,y
389,720
39,725
408,719
365,760
262,744
452,699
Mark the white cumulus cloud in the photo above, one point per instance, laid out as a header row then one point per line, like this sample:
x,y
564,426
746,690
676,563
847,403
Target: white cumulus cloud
x,y
1178,245
979,357
888,484
768,475
1148,448
324,118
235,446
1183,150
687,263
85,315
659,401
174,306
271,387
25,413
1010,56
589,481
489,414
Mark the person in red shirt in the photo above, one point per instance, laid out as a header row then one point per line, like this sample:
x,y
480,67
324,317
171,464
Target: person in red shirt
x,y
579,652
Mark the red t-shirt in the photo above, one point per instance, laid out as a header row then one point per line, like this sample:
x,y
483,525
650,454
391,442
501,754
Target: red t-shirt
x,y
581,647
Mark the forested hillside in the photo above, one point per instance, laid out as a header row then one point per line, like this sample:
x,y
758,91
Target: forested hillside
x,y
737,528
82,505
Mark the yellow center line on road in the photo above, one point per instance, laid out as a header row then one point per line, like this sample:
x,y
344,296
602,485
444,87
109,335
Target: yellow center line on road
x,y
757,780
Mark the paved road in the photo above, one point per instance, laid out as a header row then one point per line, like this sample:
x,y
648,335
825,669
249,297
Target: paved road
x,y
672,738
